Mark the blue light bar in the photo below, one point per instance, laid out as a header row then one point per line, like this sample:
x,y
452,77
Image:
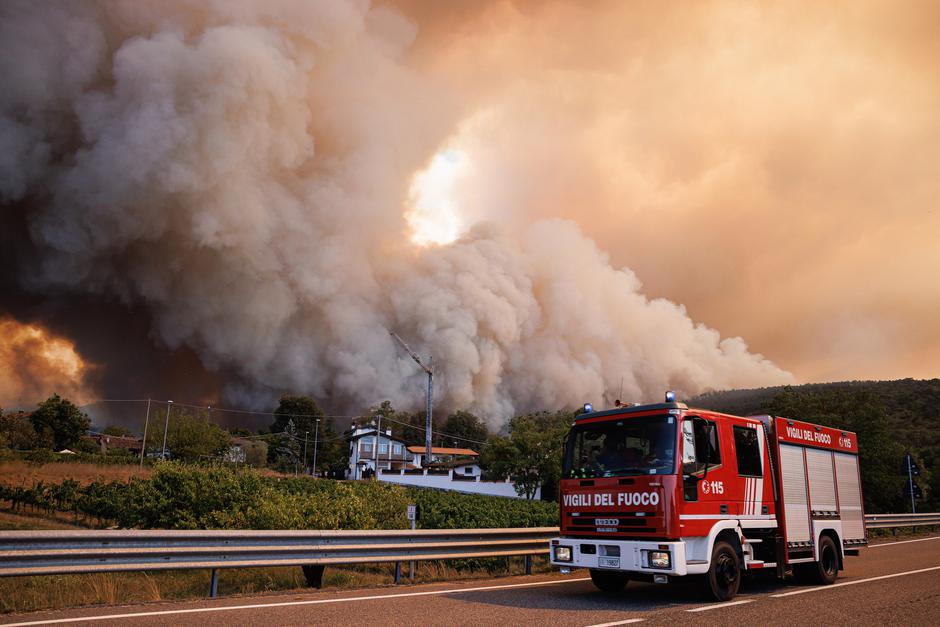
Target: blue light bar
x,y
670,397
588,408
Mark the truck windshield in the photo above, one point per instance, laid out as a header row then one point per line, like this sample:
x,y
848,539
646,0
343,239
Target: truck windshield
x,y
644,445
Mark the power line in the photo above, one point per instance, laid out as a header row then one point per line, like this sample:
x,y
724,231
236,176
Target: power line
x,y
420,428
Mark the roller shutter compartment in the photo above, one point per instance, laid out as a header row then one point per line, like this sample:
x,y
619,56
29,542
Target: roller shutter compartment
x,y
822,486
793,474
850,496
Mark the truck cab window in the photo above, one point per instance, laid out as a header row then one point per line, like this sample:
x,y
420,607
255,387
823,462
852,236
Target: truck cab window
x,y
745,443
702,437
644,445
699,442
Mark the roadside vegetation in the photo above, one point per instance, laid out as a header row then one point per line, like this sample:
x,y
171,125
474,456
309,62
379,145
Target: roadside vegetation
x,y
180,496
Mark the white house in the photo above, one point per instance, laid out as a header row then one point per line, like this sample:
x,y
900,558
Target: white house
x,y
378,454
369,449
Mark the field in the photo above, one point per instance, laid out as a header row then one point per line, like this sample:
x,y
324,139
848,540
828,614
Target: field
x,y
27,473
191,497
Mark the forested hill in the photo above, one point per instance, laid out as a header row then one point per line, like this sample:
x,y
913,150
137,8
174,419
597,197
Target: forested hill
x,y
890,418
912,406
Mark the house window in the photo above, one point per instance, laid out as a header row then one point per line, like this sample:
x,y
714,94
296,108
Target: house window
x,y
468,471
367,447
397,449
383,449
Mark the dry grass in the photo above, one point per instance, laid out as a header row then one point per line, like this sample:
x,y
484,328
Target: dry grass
x,y
25,473
9,520
24,594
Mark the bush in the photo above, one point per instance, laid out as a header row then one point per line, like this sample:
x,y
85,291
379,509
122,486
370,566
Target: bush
x,y
189,497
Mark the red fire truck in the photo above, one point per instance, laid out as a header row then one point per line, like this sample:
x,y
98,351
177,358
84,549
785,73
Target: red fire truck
x,y
654,492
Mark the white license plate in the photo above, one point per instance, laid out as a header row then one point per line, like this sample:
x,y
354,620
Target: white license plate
x,y
606,522
608,562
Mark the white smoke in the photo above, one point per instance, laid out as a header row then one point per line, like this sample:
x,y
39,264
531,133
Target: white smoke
x,y
242,168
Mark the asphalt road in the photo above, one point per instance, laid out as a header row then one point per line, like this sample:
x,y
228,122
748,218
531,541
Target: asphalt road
x,y
890,584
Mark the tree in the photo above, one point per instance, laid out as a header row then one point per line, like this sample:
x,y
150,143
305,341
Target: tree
x,y
58,423
303,411
531,456
332,451
880,454
189,438
16,431
412,431
462,429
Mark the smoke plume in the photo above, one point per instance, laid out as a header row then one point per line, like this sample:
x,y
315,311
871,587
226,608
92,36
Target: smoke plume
x,y
244,173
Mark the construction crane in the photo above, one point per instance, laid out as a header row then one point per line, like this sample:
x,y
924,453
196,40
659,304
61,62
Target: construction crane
x,y
430,373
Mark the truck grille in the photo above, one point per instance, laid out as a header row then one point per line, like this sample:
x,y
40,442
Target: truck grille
x,y
626,521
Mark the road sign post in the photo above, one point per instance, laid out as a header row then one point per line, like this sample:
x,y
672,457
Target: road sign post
x,y
412,516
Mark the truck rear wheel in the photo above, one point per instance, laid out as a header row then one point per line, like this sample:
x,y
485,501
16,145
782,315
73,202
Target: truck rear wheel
x,y
609,581
724,574
826,569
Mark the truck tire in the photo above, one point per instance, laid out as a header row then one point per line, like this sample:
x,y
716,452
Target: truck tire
x,y
608,580
825,571
724,573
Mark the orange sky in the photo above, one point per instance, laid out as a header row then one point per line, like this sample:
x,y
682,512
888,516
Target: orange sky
x,y
773,166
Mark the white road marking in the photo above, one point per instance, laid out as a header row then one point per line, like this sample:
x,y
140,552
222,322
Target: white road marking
x,y
875,546
852,583
228,608
619,622
717,606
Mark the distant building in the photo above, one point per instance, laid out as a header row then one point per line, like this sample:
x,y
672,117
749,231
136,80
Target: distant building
x,y
369,450
116,442
236,452
462,460
387,458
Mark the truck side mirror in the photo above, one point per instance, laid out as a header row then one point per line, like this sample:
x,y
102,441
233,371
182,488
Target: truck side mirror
x,y
688,446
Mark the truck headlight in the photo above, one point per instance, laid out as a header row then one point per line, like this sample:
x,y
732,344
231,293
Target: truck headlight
x,y
562,553
659,559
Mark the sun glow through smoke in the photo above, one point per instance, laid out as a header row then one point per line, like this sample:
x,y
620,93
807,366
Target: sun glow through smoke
x,y
34,363
434,215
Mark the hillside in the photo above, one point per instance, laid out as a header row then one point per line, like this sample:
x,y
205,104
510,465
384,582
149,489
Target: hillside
x,y
912,406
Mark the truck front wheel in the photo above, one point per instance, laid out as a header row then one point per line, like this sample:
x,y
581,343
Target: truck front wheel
x,y
609,581
724,574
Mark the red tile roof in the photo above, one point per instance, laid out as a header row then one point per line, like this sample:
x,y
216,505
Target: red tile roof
x,y
440,450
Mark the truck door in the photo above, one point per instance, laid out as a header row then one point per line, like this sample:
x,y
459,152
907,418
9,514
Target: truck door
x,y
749,447
704,475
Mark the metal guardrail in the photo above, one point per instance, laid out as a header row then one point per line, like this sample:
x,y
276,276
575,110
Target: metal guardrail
x,y
70,552
888,521
92,551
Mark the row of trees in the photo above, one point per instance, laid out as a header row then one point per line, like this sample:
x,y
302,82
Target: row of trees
x,y
56,424
529,453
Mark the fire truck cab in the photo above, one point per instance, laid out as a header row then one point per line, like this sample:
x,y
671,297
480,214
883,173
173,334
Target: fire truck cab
x,y
655,492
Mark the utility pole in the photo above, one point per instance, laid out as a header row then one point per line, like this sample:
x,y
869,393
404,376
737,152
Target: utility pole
x,y
306,433
316,434
375,453
430,373
166,427
143,444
